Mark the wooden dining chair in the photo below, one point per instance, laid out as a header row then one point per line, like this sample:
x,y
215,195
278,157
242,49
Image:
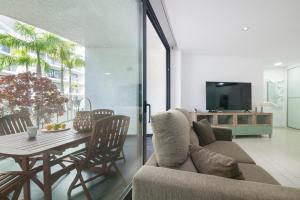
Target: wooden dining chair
x,y
104,148
11,183
100,114
14,123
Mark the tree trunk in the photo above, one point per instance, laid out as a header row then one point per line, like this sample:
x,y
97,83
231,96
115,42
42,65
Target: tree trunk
x,y
70,82
38,65
26,67
62,89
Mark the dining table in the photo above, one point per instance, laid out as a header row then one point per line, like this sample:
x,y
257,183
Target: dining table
x,y
20,147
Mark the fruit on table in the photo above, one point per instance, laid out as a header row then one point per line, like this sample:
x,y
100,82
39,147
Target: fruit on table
x,y
49,127
63,126
56,126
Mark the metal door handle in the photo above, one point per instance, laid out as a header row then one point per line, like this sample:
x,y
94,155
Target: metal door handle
x,y
149,116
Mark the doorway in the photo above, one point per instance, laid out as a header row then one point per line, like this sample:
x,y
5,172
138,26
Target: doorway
x,y
156,74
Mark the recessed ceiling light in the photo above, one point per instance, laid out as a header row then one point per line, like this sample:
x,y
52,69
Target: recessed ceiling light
x,y
246,28
278,64
107,73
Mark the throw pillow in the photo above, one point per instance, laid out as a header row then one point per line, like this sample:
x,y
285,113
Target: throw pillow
x,y
171,138
204,132
208,162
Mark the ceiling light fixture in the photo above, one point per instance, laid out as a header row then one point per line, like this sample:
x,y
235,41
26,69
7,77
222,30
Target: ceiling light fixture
x,y
278,64
107,73
246,28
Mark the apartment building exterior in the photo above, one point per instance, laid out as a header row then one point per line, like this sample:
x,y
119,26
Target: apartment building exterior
x,y
54,72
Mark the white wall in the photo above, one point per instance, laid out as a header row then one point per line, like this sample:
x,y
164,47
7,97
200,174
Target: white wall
x,y
175,78
156,81
197,69
279,111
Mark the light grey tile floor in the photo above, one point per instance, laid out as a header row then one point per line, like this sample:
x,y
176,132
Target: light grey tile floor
x,y
280,155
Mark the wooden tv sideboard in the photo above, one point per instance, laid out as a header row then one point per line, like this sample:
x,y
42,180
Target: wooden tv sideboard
x,y
241,123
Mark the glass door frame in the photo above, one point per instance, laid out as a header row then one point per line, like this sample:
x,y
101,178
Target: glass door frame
x,y
149,12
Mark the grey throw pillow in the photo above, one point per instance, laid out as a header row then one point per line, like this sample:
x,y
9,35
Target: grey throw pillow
x,y
204,132
208,162
171,138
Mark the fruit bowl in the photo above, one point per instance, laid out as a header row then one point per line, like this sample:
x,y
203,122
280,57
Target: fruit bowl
x,y
50,128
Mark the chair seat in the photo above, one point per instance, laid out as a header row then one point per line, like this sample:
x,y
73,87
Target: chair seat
x,y
98,158
12,181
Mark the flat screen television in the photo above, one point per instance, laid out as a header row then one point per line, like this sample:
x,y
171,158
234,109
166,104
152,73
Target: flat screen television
x,y
228,96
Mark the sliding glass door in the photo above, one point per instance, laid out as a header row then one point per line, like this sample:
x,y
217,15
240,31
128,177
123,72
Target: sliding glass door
x,y
293,98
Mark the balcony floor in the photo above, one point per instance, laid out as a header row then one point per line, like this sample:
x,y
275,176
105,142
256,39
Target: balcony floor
x,y
109,188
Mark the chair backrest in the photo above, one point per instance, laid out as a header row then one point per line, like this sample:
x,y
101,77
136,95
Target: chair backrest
x,y
108,136
102,113
14,123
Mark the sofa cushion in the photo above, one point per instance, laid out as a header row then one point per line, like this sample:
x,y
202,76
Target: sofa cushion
x,y
255,173
230,149
186,113
152,161
209,162
167,184
194,138
188,165
171,131
204,132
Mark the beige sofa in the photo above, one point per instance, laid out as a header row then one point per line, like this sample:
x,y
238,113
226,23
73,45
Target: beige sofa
x,y
184,182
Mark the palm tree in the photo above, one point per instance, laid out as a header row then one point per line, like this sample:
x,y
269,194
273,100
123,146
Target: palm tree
x,y
74,61
61,50
31,40
20,57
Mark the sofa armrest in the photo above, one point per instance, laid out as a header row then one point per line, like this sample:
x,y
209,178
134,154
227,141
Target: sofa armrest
x,y
168,184
222,133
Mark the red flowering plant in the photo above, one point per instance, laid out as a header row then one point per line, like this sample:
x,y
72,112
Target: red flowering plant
x,y
27,92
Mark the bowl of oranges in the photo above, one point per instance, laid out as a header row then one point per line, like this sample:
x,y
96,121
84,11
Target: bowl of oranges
x,y
55,127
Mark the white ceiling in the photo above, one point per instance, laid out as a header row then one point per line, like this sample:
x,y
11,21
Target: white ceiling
x,y
107,23
214,27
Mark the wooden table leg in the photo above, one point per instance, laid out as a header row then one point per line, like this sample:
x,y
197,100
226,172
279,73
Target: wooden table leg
x,y
47,177
26,187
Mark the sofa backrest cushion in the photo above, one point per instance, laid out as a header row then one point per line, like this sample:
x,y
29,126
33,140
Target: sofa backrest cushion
x,y
208,162
187,165
171,140
194,138
204,132
186,114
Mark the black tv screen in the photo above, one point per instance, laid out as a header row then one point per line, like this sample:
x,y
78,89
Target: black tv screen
x,y
228,96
